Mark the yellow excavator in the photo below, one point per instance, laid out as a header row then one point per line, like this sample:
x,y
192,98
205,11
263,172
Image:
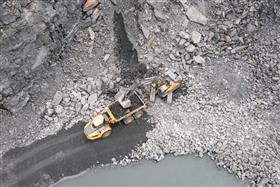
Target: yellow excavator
x,y
164,85
127,106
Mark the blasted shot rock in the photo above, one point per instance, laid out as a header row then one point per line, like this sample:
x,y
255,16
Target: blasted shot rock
x,y
42,54
160,16
199,60
92,99
196,37
57,98
196,16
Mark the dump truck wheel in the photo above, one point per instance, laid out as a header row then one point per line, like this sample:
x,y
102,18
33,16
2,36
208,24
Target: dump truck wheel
x,y
138,114
128,120
107,133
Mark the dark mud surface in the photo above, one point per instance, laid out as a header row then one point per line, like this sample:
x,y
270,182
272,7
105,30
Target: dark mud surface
x,y
68,153
130,66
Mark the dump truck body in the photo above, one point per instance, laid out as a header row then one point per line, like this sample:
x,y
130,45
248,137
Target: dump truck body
x,y
120,113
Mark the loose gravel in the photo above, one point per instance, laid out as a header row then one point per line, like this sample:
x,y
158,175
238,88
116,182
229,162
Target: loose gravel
x,y
228,53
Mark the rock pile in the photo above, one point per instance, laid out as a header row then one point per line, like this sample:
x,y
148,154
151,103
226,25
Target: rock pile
x,y
196,16
228,51
75,102
236,139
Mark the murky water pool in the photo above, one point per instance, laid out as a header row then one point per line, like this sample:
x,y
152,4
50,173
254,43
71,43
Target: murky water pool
x,y
172,171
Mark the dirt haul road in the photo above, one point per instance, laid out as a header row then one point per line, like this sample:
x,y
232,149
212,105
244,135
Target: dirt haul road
x,y
68,153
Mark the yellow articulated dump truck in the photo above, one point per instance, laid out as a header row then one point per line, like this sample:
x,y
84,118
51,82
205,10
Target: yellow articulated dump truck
x,y
127,107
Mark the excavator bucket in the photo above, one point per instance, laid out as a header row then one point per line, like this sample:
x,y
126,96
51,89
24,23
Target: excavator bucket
x,y
173,76
122,98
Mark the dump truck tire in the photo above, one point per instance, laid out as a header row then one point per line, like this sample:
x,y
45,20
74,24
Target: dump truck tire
x,y
128,120
138,114
107,133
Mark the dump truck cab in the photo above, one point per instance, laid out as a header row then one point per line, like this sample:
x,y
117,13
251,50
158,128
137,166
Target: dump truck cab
x,y
98,127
